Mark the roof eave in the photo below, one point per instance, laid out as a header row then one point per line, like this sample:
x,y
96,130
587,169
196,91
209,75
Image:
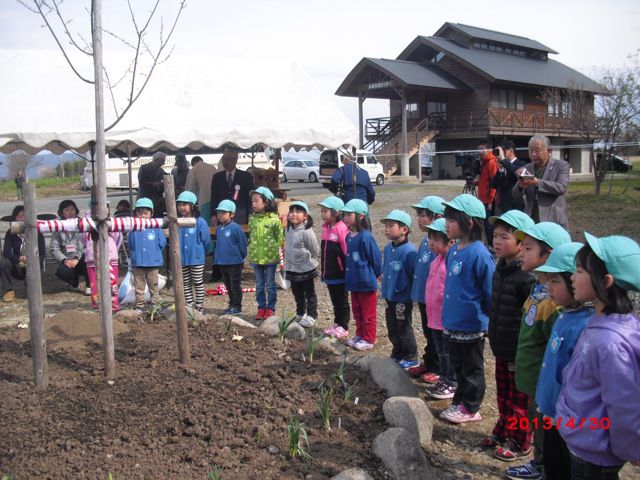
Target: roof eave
x,y
343,89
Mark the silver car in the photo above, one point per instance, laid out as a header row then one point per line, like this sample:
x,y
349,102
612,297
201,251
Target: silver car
x,y
300,170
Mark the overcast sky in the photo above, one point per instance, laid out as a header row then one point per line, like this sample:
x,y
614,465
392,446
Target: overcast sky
x,y
328,38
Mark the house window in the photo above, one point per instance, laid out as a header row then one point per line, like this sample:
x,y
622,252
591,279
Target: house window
x,y
504,98
412,110
436,107
559,108
439,56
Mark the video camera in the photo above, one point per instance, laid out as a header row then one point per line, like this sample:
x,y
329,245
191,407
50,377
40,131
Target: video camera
x,y
470,165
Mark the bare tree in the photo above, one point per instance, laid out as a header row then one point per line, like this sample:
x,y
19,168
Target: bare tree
x,y
145,55
605,120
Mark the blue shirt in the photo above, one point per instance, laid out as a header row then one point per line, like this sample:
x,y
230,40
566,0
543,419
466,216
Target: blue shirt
x,y
421,271
397,273
564,336
194,243
364,263
467,289
231,244
146,247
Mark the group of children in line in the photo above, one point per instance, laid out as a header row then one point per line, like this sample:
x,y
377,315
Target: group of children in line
x,y
557,313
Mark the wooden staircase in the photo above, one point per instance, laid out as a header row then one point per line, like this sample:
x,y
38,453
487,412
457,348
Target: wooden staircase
x,y
417,138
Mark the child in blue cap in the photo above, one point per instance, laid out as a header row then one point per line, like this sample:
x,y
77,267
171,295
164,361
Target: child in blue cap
x,y
429,209
230,252
397,277
597,411
566,330
467,300
194,244
539,314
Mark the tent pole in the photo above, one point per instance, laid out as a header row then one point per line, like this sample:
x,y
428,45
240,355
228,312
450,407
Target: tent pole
x,y
129,173
102,257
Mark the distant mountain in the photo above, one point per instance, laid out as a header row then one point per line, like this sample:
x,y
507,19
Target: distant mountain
x,y
41,161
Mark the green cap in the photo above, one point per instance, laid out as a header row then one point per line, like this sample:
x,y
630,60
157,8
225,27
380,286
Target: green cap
x,y
562,259
548,232
431,202
187,197
398,216
356,206
515,218
301,204
332,202
468,204
439,225
621,256
226,206
144,203
268,194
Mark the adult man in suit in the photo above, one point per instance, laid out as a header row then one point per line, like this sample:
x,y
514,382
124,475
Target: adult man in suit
x,y
232,184
544,184
505,179
150,182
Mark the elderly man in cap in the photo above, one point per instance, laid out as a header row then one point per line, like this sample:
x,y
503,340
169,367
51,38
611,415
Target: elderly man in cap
x,y
150,184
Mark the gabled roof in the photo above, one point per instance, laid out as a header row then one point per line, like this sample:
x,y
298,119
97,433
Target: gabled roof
x,y
493,36
404,74
500,67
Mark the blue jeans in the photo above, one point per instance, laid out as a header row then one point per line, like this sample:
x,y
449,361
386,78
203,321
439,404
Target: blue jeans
x,y
266,294
583,470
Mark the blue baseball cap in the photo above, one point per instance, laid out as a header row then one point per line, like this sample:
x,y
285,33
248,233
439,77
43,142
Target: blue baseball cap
x,y
439,225
621,256
469,205
144,203
226,206
562,259
398,216
187,197
356,206
431,202
515,218
548,232
332,202
268,194
301,204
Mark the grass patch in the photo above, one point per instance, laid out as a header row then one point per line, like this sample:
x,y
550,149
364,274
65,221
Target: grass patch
x,y
45,187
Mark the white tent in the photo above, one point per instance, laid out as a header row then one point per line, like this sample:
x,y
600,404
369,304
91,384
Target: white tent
x,y
190,101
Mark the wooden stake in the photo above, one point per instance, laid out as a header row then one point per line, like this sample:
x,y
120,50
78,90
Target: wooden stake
x,y
176,270
34,291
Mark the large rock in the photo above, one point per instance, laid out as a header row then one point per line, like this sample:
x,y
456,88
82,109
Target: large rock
x,y
237,321
332,345
402,455
353,474
270,327
412,414
388,375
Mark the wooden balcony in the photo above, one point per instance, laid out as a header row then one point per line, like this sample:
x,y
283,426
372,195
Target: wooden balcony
x,y
499,121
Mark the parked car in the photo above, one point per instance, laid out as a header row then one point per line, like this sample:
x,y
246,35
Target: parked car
x,y
300,170
616,163
330,162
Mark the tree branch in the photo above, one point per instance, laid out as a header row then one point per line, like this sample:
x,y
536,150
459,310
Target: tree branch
x,y
87,50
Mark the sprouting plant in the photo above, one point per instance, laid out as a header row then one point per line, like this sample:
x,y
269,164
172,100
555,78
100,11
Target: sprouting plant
x,y
110,477
227,327
324,405
283,325
349,390
158,309
7,477
340,372
312,342
215,473
298,435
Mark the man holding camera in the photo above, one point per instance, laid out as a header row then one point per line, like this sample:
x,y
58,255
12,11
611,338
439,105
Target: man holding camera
x,y
543,183
505,179
486,193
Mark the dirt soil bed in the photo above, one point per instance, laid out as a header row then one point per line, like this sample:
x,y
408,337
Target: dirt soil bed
x,y
160,421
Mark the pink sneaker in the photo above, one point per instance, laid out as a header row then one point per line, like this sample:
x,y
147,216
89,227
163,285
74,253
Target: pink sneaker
x,y
331,331
462,415
340,332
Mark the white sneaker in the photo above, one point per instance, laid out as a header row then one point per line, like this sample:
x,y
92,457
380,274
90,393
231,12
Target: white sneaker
x,y
450,410
299,318
308,322
353,340
87,291
363,345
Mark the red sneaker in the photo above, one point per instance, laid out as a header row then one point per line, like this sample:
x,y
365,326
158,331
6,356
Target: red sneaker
x,y
268,313
431,377
417,371
260,314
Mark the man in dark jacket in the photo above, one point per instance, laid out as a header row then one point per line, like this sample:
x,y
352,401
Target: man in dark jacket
x,y
150,184
505,179
232,184
354,180
510,288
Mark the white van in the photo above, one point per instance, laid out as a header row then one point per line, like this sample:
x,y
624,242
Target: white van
x,y
330,162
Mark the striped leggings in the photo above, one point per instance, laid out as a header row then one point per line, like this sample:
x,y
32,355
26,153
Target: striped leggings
x,y
193,278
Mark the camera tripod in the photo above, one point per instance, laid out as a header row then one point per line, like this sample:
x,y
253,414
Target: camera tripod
x,y
469,187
